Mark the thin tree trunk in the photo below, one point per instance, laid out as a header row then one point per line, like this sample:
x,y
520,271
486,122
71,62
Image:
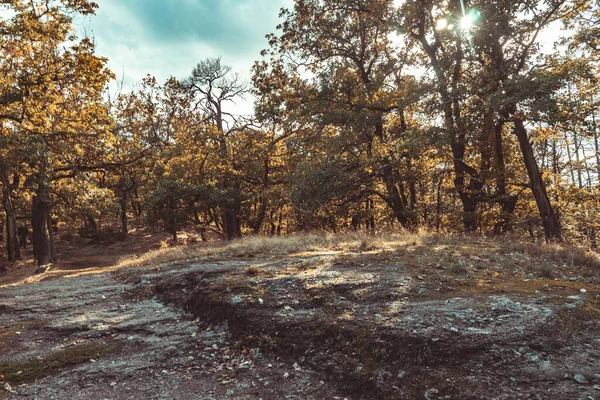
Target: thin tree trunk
x,y
538,187
587,168
12,242
41,239
124,229
438,206
91,222
262,211
394,198
231,224
596,148
51,237
570,159
554,158
578,161
508,202
280,223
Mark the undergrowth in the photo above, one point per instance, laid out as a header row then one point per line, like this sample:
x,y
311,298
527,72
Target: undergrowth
x,y
559,255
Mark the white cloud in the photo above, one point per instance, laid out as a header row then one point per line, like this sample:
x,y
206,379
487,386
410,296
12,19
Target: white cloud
x,y
169,37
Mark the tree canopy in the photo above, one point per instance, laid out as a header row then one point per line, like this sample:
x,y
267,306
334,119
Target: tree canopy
x,y
452,116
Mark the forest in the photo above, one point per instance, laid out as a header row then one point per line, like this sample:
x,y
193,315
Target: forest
x,y
369,115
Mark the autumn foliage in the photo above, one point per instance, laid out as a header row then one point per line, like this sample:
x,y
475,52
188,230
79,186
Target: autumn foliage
x,y
369,115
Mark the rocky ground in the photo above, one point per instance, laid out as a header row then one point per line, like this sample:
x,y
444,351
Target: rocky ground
x,y
324,325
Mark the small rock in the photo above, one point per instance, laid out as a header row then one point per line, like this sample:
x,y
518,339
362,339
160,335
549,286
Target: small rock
x,y
103,297
286,375
583,291
236,300
401,374
260,301
8,388
453,329
113,384
596,387
580,379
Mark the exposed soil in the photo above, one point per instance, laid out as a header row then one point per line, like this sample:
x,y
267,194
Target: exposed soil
x,y
356,325
80,255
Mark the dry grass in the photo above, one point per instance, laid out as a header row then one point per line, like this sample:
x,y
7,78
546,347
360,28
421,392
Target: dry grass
x,y
253,246
506,253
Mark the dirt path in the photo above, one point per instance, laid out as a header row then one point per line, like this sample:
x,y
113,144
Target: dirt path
x,y
315,326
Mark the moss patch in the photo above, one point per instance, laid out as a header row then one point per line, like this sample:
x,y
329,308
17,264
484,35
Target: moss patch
x,y
19,372
9,332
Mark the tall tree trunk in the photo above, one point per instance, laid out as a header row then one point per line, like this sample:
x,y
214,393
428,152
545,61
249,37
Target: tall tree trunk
x,y
596,148
262,210
538,187
124,229
135,203
587,168
570,159
231,224
12,241
438,205
41,238
555,158
91,222
394,199
508,202
51,237
577,160
280,223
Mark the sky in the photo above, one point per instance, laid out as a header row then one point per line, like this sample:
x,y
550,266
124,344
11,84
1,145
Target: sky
x,y
169,37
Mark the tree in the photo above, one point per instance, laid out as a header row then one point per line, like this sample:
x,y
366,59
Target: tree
x,y
213,86
52,85
357,100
